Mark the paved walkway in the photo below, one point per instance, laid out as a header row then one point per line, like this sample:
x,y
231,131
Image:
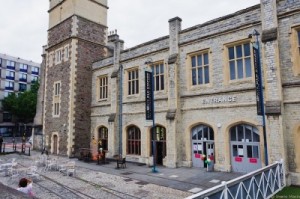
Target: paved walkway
x,y
166,183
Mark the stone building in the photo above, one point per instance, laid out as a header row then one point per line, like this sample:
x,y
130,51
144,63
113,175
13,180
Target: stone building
x,y
204,90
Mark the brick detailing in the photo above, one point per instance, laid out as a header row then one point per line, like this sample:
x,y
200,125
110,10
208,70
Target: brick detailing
x,y
87,54
285,6
91,31
60,32
59,72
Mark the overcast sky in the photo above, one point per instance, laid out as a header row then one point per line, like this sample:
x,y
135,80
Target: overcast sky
x,y
24,23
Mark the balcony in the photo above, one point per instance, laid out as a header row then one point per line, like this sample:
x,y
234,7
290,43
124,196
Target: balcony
x,y
10,77
35,72
23,70
9,88
23,79
10,67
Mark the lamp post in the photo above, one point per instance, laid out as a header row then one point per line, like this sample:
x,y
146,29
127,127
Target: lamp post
x,y
150,113
259,90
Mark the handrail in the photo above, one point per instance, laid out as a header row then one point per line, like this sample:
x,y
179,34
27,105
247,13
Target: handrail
x,y
259,180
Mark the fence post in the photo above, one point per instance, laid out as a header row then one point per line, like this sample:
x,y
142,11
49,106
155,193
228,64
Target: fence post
x,y
283,173
224,183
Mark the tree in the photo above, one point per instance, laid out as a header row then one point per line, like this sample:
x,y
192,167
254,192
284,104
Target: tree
x,y
23,105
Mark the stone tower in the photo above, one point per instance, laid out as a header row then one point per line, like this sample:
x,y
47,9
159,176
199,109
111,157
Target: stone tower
x,y
76,38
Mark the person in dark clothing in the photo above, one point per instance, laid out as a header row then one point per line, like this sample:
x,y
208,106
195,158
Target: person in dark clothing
x,y
1,141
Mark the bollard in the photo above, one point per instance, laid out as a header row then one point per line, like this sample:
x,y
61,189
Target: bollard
x,y
29,151
4,147
22,150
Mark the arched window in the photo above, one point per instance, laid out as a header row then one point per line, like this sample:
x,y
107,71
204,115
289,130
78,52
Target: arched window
x,y
103,135
244,133
133,141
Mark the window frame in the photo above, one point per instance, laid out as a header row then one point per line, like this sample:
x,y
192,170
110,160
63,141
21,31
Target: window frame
x,y
56,98
227,72
102,87
161,82
295,49
133,144
132,82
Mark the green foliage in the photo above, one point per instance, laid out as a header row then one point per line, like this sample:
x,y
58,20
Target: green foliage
x,y
23,105
288,192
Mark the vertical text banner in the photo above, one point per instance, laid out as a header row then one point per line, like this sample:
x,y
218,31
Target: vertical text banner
x,y
258,82
148,95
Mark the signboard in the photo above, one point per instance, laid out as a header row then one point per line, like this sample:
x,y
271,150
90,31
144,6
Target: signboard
x,y
253,160
258,83
238,159
148,96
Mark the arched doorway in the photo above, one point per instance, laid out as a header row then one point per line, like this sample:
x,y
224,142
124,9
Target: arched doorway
x,y
55,144
245,148
159,138
202,145
103,138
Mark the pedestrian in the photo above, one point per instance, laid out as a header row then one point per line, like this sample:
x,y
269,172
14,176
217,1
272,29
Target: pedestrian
x,y
1,141
25,186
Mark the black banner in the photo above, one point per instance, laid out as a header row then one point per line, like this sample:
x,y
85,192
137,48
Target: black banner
x,y
148,95
258,82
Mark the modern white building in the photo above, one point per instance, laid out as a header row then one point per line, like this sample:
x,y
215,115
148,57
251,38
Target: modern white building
x,y
16,76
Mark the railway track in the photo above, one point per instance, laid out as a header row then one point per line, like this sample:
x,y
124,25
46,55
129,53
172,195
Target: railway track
x,y
59,190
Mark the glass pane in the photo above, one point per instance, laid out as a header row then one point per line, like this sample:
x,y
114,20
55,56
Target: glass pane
x,y
161,68
193,61
239,52
240,151
231,53
157,69
249,151
206,73
255,152
205,59
246,50
157,83
162,83
129,88
194,135
137,86
232,70
248,133
199,58
248,67
205,132
240,69
211,134
200,77
234,151
255,137
137,74
194,77
298,38
195,147
240,131
133,74
200,148
200,134
233,134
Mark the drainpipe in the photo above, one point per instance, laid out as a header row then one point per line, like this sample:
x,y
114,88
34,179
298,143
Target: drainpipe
x,y
120,108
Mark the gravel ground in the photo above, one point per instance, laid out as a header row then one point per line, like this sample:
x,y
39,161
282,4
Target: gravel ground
x,y
87,183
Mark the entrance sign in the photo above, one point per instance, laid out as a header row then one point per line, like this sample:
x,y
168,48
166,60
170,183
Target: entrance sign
x,y
258,83
148,95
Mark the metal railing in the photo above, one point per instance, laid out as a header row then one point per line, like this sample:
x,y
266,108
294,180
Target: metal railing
x,y
259,184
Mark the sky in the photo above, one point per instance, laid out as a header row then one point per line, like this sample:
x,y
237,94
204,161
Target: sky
x,y
24,23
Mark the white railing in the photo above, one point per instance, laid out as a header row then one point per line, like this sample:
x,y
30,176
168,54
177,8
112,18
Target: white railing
x,y
259,184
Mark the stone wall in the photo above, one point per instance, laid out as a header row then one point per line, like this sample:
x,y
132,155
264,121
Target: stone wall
x,y
60,32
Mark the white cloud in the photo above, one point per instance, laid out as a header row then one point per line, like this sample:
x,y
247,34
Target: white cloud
x,y
24,23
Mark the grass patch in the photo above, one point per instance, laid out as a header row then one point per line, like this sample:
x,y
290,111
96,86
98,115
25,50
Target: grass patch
x,y
288,192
